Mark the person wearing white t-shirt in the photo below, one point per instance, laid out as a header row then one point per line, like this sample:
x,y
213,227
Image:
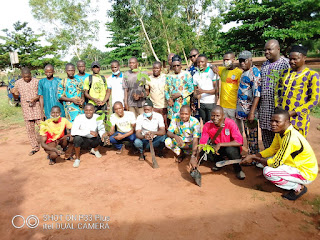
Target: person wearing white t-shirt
x,y
114,83
125,122
150,126
206,89
87,132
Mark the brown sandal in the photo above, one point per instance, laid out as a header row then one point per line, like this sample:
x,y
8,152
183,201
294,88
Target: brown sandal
x,y
33,152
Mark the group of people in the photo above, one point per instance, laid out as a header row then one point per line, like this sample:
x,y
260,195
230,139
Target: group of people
x,y
178,109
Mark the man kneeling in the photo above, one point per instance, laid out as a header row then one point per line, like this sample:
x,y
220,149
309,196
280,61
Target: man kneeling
x,y
52,132
87,132
183,133
227,143
149,126
290,161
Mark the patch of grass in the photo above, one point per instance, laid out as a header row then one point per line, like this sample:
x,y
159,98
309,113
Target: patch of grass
x,y
9,115
315,111
256,196
315,204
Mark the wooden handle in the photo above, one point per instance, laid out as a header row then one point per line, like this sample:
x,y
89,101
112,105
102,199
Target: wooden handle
x,y
154,161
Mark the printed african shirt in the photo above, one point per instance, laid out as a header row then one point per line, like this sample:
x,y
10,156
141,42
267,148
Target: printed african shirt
x,y
249,88
82,78
186,130
178,83
266,103
71,88
299,92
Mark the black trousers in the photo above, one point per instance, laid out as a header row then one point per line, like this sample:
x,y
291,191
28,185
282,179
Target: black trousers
x,y
229,152
86,143
205,111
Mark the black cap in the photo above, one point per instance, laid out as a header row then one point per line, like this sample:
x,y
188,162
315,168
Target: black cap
x,y
148,103
300,49
96,63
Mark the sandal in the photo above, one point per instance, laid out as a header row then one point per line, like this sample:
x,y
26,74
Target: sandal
x,y
180,158
52,162
33,152
293,196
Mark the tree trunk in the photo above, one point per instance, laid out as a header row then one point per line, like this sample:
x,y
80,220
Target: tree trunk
x,y
165,30
147,37
185,57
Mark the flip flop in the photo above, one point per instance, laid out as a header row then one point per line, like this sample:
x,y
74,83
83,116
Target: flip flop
x,y
180,158
33,152
52,162
293,196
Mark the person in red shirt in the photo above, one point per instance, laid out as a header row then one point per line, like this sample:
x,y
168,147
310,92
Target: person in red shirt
x,y
227,144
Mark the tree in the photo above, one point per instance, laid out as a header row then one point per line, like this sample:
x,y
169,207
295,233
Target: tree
x,y
26,43
288,21
72,29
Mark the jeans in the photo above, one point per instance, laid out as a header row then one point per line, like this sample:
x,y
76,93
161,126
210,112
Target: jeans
x,y
118,144
141,144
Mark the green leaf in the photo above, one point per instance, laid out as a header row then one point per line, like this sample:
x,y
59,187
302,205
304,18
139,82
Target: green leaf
x,y
135,70
99,111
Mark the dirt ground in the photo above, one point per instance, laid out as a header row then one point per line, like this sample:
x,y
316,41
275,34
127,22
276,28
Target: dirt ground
x,y
119,197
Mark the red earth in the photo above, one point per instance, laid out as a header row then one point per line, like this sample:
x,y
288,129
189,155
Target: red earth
x,y
120,197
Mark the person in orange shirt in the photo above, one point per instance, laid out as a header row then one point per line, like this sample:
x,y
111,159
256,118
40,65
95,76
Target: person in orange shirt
x,y
56,131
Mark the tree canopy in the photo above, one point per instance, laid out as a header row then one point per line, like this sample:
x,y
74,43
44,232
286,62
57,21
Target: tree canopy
x,y
288,21
27,44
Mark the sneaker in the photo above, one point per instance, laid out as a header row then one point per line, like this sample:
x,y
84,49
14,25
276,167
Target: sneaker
x,y
142,157
96,153
259,165
76,163
240,175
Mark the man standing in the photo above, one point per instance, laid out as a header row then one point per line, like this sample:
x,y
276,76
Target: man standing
x,y
230,78
27,87
205,82
155,89
82,75
298,90
179,87
183,134
95,87
227,144
70,92
274,63
134,93
52,132
149,126
87,133
248,100
48,92
115,83
125,122
194,53
290,161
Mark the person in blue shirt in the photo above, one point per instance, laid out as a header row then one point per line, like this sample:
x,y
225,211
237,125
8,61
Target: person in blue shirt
x,y
48,92
82,75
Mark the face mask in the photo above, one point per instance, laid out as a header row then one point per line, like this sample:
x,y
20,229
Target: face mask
x,y
147,114
55,119
116,73
227,63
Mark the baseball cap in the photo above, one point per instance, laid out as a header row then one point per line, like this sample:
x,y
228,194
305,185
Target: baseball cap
x,y
95,63
148,103
245,55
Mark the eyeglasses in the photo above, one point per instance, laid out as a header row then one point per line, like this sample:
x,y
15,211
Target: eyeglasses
x,y
192,56
176,65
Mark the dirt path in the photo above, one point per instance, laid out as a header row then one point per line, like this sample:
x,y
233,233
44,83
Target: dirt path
x,y
141,202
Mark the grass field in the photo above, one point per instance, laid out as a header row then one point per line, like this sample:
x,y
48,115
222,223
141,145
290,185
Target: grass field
x,y
9,115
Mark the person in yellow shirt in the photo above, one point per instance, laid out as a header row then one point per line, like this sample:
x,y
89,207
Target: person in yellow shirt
x,y
290,162
298,90
230,78
56,131
95,88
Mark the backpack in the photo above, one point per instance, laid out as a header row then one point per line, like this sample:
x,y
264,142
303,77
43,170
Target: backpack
x,y
90,81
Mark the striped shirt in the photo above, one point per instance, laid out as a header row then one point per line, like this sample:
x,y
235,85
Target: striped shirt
x,y
292,149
